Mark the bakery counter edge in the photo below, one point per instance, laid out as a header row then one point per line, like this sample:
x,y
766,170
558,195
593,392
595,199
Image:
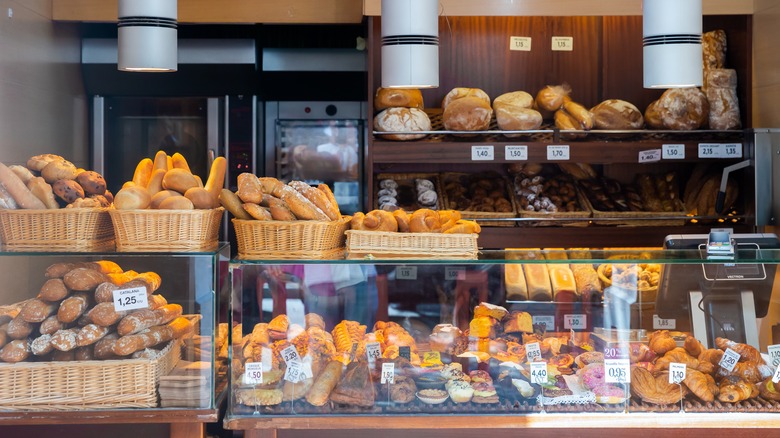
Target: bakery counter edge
x,y
118,416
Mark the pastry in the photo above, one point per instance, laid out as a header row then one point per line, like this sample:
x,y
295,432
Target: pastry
x,y
518,322
616,114
375,220
486,309
734,389
746,352
403,389
425,221
609,394
432,396
355,388
484,392
698,384
480,376
679,355
589,357
460,391
443,337
655,389
661,341
482,327
768,390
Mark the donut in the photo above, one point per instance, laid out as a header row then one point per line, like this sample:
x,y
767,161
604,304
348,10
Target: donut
x,y
609,394
592,375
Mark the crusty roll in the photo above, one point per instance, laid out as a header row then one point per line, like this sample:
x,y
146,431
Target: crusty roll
x,y
233,204
317,197
301,207
329,193
402,120
425,220
179,180
38,162
132,198
679,109
514,98
580,114
467,114
397,97
461,92
616,114
257,212
463,226
374,220
552,97
402,218
324,384
43,191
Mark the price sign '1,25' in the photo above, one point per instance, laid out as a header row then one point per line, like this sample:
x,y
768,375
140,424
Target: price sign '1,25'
x,y
130,299
729,360
677,372
539,373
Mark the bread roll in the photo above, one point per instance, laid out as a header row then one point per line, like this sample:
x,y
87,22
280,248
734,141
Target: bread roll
x,y
68,190
179,180
201,198
515,118
467,114
515,98
397,97
18,190
161,196
132,198
176,202
402,120
552,97
565,121
537,279
232,203
59,169
679,109
563,285
92,182
53,290
43,191
155,182
461,92
616,114
580,114
216,179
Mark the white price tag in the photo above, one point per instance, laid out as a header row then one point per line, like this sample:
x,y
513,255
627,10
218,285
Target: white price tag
x,y
373,352
130,299
617,370
774,354
406,273
677,372
709,150
575,322
663,324
547,320
451,273
650,156
558,152
516,153
253,373
729,360
290,354
539,373
388,373
565,44
731,150
266,358
482,153
673,151
776,375
522,44
533,352
294,372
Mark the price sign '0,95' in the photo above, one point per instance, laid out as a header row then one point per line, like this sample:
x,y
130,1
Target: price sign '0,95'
x,y
130,299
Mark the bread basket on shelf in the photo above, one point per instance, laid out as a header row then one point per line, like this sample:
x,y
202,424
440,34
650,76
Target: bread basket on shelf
x,y
646,289
65,229
166,230
290,240
410,246
482,217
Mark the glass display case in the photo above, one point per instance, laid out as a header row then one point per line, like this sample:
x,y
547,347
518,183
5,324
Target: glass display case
x,y
515,333
118,332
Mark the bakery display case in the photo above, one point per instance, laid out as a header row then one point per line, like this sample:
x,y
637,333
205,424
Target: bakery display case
x,y
125,336
586,335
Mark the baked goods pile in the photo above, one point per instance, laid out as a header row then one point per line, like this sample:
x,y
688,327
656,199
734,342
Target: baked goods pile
x,y
400,110
166,183
701,191
267,198
74,317
50,181
484,192
407,194
649,193
548,282
420,221
542,189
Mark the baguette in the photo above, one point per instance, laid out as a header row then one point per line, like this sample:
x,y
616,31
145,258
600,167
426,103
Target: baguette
x,y
104,293
143,171
43,191
41,345
53,290
301,207
318,198
18,190
326,189
233,204
86,352
216,179
145,318
73,307
22,172
65,340
50,325
179,162
90,334
104,314
15,351
272,186
104,348
160,161
324,384
6,200
18,328
37,310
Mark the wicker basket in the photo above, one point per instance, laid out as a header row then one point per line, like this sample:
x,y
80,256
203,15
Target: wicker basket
x,y
411,246
483,216
85,385
290,240
166,230
65,229
559,216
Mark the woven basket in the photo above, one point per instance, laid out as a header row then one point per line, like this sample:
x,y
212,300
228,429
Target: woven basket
x,y
482,216
65,229
290,240
166,230
408,179
85,385
644,295
411,246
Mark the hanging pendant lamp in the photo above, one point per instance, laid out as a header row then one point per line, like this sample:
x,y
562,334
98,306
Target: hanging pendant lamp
x,y
672,52
147,35
410,43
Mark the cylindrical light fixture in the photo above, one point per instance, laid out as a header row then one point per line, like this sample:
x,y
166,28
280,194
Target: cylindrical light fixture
x,y
410,43
147,35
671,31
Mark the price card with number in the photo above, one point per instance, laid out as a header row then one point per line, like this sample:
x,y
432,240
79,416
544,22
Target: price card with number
x,y
253,373
522,44
650,156
558,152
533,352
388,373
373,352
575,321
663,324
729,360
539,373
709,150
731,150
617,370
406,273
482,153
673,151
776,375
294,372
290,354
561,43
130,299
774,354
451,273
677,372
547,320
516,153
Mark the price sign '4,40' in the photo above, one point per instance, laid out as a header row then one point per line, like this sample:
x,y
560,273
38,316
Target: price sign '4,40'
x,y
539,373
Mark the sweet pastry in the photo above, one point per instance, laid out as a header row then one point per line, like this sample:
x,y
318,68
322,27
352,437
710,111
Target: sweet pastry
x,y
425,221
661,341
698,384
679,355
518,322
479,376
460,391
734,389
355,388
443,337
277,328
484,392
589,357
402,390
768,390
486,309
693,346
375,220
482,327
747,353
655,389
609,394
432,396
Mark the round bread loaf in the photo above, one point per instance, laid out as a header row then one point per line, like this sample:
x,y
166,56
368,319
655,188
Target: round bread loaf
x,y
402,120
515,118
617,114
397,97
519,99
679,109
467,114
552,97
461,92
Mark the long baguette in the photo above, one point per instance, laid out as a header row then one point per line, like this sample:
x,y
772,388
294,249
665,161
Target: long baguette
x,y
316,197
324,384
18,190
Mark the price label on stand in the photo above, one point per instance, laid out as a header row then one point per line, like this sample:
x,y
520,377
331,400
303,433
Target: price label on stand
x,y
617,370
253,373
130,299
373,352
519,43
406,273
663,324
673,152
539,373
432,357
774,354
290,354
482,153
388,373
547,320
266,358
558,152
575,321
516,153
677,372
452,274
405,351
729,360
294,372
731,150
532,352
650,156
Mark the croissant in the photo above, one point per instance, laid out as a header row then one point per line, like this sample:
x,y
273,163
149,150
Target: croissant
x,y
448,218
661,342
425,220
654,389
402,218
464,227
711,355
374,220
698,384
681,356
746,352
693,346
748,371
733,390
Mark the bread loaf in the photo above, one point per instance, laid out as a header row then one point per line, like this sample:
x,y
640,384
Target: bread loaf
x,y
515,118
587,281
18,328
41,345
679,109
86,352
402,120
15,351
104,348
65,340
22,172
537,279
38,162
324,383
58,170
132,198
616,114
552,97
83,279
104,314
467,114
73,307
514,279
462,92
233,204
43,191
257,212
50,325
564,287
721,91
301,207
36,310
397,97
91,333
249,188
144,318
713,49
579,113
